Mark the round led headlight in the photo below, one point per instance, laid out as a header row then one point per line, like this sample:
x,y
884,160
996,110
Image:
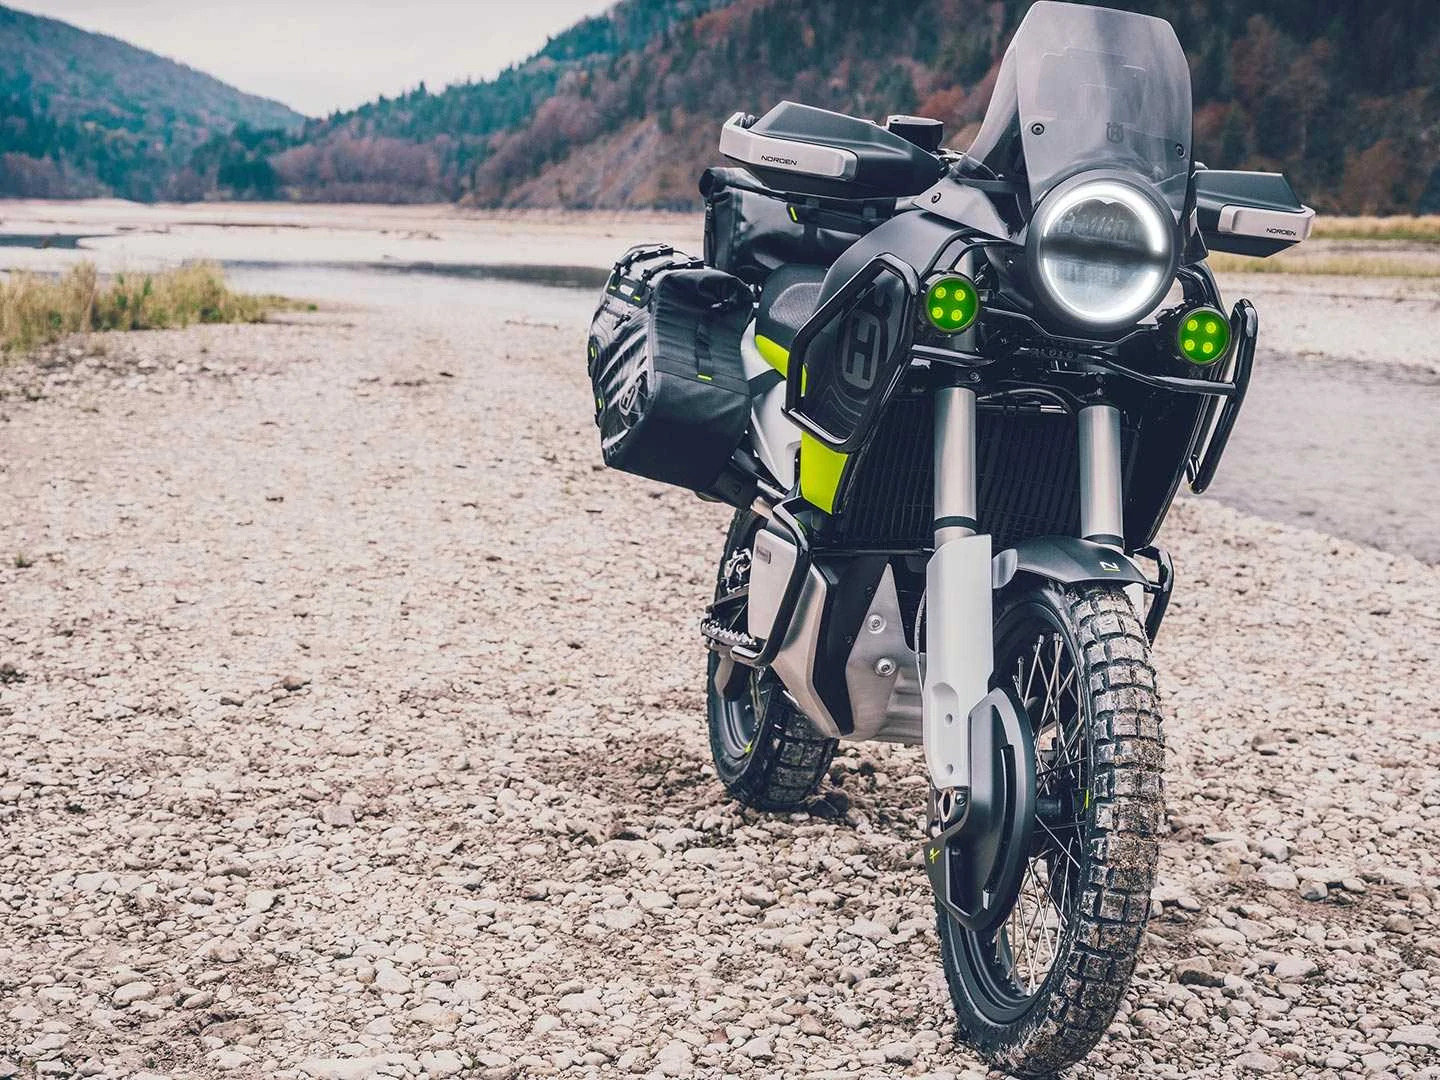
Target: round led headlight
x,y
1101,253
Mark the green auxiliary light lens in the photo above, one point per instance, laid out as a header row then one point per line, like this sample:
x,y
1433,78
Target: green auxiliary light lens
x,y
1202,335
951,303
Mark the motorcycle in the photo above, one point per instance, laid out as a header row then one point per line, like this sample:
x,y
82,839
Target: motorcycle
x,y
951,396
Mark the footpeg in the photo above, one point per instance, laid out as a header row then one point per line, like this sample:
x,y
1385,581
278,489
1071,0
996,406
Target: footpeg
x,y
718,635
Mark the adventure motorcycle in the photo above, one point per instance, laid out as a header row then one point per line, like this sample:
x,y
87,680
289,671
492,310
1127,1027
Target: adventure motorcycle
x,y
952,396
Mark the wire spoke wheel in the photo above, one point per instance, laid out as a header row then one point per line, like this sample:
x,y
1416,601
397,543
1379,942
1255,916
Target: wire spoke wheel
x,y
1027,944
1036,992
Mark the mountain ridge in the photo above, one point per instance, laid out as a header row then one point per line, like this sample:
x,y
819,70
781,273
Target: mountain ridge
x,y
624,109
1346,103
422,146
84,113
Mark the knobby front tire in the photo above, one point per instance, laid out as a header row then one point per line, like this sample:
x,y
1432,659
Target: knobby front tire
x,y
1036,993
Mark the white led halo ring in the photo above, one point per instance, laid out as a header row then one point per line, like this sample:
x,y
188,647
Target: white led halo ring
x,y
1134,299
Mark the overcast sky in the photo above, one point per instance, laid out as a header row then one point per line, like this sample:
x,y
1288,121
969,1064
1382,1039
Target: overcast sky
x,y
320,55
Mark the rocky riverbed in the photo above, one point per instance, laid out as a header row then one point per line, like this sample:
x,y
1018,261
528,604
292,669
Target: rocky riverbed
x,y
351,726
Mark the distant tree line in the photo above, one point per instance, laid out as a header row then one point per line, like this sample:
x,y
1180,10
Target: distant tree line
x,y
623,109
83,114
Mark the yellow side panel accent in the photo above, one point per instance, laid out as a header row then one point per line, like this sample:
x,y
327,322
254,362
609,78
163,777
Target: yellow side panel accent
x,y
821,468
774,354
820,471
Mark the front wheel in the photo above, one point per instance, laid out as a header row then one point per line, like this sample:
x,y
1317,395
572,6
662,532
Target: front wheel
x,y
1035,993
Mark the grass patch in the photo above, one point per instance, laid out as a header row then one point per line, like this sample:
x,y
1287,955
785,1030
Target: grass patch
x,y
1423,230
1335,265
36,309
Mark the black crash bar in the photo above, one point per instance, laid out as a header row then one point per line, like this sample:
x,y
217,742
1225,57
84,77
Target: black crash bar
x,y
1245,329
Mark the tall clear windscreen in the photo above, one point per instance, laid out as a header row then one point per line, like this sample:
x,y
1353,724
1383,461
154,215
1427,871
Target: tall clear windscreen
x,y
1092,88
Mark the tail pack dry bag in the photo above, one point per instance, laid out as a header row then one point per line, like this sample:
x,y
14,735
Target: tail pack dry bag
x,y
671,399
751,231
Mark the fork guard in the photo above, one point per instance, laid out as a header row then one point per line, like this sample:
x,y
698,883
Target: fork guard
x,y
976,863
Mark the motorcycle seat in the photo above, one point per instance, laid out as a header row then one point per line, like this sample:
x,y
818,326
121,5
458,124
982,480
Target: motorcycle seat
x,y
788,298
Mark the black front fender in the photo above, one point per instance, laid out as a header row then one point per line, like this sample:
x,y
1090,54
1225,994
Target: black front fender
x,y
1066,560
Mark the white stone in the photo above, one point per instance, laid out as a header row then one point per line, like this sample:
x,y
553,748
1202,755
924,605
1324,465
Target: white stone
x,y
1257,1062
390,981
587,1001
1415,1035
1291,968
132,992
442,1063
759,1048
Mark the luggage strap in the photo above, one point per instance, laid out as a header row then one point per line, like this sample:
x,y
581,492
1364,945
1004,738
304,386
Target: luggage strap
x,y
639,285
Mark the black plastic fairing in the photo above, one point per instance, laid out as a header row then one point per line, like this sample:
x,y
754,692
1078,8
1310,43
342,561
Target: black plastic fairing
x,y
851,355
852,584
1066,560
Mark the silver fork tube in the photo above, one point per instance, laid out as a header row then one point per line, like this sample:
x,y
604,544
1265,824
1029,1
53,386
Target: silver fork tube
x,y
957,501
958,634
1102,500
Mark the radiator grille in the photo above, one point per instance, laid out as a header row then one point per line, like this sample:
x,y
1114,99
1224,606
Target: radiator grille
x,y
890,498
1028,477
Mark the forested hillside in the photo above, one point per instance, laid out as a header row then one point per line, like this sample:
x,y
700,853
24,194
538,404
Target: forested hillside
x,y
624,109
85,114
1344,97
424,146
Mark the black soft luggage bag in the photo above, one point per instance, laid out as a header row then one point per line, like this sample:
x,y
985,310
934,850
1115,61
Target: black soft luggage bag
x,y
751,230
671,399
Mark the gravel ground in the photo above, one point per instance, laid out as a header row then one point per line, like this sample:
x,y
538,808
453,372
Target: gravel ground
x,y
1351,449
351,726
1374,320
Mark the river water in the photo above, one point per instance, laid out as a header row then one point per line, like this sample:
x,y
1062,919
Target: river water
x,y
1350,449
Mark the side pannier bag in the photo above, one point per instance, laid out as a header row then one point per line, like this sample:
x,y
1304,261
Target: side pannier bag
x,y
671,399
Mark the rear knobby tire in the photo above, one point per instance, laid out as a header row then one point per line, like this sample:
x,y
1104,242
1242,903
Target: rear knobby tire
x,y
1091,876
766,752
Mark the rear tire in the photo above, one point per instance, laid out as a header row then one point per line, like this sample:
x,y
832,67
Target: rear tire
x,y
1035,994
766,752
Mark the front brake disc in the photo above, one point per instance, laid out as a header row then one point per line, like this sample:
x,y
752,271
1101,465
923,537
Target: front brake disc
x,y
976,863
